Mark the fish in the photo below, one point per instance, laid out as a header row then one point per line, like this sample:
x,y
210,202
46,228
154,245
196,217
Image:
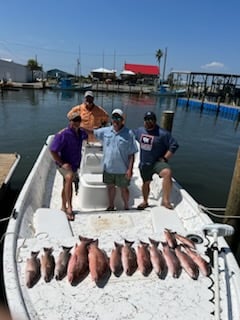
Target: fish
x,y
62,263
187,263
172,260
98,262
32,269
170,238
129,258
157,259
185,240
115,261
143,259
47,264
202,264
78,263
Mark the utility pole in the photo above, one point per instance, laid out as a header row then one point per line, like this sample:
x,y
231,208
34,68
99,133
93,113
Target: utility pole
x,y
164,65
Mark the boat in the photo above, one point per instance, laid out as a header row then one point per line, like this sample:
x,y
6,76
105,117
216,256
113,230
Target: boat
x,y
165,90
37,222
67,84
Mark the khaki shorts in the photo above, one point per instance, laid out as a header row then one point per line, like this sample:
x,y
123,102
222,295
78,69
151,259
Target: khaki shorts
x,y
118,180
64,172
148,171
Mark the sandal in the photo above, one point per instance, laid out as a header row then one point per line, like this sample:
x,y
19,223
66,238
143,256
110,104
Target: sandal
x,y
142,206
70,216
110,209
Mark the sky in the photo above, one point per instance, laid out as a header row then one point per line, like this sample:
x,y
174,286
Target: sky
x,y
198,36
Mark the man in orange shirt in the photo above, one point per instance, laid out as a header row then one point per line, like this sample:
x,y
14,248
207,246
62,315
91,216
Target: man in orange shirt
x,y
92,116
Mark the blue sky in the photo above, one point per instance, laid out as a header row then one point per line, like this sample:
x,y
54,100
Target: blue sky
x,y
200,36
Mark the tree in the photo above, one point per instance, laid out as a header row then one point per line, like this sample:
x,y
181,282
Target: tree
x,y
33,65
158,56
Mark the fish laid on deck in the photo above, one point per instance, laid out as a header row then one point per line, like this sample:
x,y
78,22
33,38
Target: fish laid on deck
x,y
78,262
47,264
32,270
62,263
115,261
98,262
129,258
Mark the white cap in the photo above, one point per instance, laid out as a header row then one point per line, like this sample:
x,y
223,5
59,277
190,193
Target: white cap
x,y
88,93
118,111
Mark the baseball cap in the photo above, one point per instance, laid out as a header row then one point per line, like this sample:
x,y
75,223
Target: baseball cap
x,y
73,116
88,94
118,111
150,115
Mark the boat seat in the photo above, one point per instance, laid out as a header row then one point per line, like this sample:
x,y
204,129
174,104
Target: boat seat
x,y
52,222
93,163
93,179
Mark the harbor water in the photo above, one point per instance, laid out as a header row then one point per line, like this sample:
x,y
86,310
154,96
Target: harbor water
x,y
203,164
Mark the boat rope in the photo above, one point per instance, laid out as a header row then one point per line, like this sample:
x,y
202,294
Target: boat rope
x,y
221,216
4,219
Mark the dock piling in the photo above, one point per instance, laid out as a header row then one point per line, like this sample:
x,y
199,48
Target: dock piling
x,y
167,120
233,206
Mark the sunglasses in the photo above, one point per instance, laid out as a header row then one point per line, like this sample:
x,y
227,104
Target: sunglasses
x,y
150,119
117,118
77,119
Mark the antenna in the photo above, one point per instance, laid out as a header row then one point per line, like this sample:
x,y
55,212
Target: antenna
x,y
217,230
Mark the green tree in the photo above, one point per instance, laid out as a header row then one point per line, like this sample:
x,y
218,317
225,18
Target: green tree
x,y
33,65
158,56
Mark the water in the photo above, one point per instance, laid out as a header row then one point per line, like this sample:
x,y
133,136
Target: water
x,y
203,164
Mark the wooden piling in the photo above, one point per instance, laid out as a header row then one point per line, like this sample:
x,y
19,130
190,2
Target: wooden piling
x,y
167,120
233,206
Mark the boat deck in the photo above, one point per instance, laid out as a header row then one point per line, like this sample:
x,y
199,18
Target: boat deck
x,y
118,297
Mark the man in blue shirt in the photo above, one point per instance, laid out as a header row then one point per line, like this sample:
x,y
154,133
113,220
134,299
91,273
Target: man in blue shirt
x,y
66,151
119,147
156,147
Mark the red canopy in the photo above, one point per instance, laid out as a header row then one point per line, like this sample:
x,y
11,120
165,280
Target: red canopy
x,y
143,69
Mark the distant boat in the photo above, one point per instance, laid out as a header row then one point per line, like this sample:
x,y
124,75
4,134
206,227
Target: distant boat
x,y
165,90
66,84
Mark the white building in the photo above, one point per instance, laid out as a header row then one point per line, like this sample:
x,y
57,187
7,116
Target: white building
x,y
15,72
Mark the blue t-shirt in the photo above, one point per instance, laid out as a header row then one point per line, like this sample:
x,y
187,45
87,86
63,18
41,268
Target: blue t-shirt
x,y
154,144
68,144
117,146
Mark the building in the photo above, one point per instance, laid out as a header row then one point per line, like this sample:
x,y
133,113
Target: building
x,y
58,74
11,71
103,74
147,74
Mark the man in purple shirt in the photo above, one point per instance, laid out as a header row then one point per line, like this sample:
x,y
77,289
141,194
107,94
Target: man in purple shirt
x,y
66,150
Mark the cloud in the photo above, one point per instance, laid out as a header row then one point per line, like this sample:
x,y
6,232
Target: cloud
x,y
213,65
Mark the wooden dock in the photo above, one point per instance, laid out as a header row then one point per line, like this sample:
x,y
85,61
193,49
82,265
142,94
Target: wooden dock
x,y
8,163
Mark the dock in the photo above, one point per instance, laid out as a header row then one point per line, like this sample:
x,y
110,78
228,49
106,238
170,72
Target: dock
x,y
8,164
220,109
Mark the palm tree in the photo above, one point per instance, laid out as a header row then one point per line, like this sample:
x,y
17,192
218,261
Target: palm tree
x,y
158,56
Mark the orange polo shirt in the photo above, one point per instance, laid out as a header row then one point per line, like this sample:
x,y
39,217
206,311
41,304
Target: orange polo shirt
x,y
91,119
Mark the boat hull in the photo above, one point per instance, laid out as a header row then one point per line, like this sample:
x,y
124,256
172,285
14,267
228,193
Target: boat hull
x,y
115,297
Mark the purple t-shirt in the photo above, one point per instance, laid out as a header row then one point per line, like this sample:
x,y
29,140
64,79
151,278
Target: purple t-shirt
x,y
68,144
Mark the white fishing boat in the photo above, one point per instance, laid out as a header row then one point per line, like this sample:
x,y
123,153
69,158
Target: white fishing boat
x,y
37,222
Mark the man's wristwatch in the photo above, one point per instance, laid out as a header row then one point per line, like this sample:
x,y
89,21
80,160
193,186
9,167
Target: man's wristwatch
x,y
165,159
